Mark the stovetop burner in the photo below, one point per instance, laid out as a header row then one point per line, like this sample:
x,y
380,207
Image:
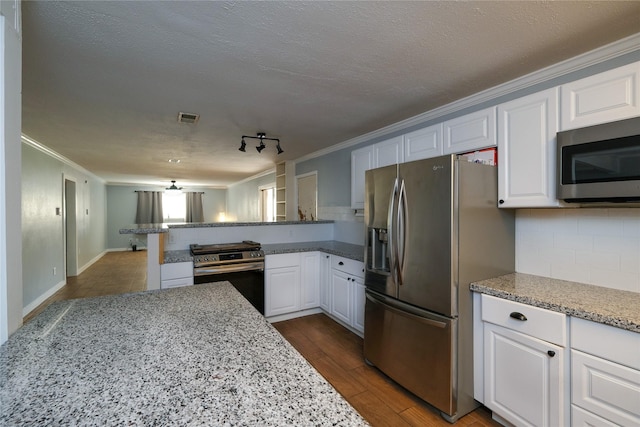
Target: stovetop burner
x,y
217,248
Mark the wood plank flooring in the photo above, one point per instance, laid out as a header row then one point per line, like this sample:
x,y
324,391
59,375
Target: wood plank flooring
x,y
332,349
336,353
114,273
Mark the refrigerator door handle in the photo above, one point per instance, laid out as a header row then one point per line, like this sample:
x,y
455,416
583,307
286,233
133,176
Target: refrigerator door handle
x,y
400,312
401,230
393,246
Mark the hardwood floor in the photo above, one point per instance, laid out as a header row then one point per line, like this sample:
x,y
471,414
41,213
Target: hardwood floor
x,y
336,353
114,273
332,349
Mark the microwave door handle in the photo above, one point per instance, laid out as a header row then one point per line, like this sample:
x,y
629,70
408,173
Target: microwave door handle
x,y
392,233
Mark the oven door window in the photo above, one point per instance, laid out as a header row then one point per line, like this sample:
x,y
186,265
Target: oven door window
x,y
602,161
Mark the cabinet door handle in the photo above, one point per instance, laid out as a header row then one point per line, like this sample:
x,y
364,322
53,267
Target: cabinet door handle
x,y
518,316
341,263
551,353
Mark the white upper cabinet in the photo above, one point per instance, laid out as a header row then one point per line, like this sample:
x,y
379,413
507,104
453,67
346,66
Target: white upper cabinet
x,y
361,161
605,97
389,152
470,132
423,143
526,151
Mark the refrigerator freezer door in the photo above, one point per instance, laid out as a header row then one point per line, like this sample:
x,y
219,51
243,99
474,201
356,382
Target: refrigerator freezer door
x,y
380,203
428,226
413,347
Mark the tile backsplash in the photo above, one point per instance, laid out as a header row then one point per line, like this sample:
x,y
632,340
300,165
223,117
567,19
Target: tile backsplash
x,y
595,246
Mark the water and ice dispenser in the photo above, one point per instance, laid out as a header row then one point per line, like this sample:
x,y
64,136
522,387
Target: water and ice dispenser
x,y
378,259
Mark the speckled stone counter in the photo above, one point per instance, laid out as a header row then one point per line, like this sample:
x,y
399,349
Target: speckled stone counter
x,y
333,247
603,305
192,356
164,228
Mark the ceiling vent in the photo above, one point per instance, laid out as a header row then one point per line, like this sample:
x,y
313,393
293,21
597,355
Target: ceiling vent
x,y
188,118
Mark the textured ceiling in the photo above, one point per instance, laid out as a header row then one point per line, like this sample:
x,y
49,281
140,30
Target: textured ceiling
x,y
103,82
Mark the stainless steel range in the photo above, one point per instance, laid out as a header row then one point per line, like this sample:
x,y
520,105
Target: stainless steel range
x,y
240,263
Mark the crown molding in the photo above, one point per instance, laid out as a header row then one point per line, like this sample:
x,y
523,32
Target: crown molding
x,y
49,152
605,53
251,178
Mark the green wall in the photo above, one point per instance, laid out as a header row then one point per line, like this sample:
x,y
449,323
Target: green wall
x,y
42,228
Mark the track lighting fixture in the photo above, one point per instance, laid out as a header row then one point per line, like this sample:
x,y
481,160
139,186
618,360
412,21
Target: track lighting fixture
x,y
262,137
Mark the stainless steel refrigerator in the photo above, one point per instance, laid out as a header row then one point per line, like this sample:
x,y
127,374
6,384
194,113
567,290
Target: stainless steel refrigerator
x,y
432,228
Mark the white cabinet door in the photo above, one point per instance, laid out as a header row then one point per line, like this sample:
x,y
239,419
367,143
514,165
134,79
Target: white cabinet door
x,y
524,378
527,130
423,143
361,161
325,282
389,152
310,280
470,132
341,296
605,97
358,304
282,290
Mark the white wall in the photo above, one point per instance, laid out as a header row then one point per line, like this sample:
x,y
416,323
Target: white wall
x,y
595,246
10,171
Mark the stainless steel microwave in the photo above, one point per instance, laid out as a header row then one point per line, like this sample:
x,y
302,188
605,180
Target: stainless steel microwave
x,y
600,164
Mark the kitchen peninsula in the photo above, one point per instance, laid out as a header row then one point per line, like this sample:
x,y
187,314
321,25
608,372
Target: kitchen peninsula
x,y
199,355
170,242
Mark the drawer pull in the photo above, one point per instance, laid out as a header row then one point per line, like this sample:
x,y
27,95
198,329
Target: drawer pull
x,y
341,263
551,353
518,316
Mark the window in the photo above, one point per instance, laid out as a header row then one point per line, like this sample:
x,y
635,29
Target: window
x,y
268,203
174,207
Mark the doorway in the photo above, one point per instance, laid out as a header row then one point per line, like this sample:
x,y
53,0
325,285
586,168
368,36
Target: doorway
x,y
70,227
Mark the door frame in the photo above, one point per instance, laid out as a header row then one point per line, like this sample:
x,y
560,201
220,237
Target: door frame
x,y
70,252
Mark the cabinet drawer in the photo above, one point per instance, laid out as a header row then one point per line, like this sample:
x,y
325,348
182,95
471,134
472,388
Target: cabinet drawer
x,y
615,344
349,266
605,388
175,283
282,260
582,418
176,270
542,324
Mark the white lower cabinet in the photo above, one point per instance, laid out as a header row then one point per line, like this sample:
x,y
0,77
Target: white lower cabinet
x,y
309,280
282,284
347,292
325,282
524,363
605,375
176,274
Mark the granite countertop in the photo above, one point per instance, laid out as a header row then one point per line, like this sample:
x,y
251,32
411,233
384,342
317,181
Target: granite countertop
x,y
599,304
333,247
164,228
347,250
197,355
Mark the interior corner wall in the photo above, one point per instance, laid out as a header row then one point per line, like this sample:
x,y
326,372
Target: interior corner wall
x,y
243,200
42,227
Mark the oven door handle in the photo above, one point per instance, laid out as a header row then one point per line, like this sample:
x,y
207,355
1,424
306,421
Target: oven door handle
x,y
247,266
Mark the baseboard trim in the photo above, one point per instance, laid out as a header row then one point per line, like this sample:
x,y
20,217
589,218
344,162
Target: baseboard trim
x,y
289,316
42,298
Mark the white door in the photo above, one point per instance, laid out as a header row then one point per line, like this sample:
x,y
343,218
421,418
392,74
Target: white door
x,y
282,290
523,378
527,130
341,296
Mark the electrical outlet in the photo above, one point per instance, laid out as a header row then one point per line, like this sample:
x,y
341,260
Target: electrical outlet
x,y
55,270
172,238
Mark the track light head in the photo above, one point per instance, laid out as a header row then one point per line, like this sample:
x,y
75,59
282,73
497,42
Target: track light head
x,y
262,137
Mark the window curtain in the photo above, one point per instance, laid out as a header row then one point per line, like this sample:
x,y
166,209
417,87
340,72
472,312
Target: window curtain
x,y
195,212
149,207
